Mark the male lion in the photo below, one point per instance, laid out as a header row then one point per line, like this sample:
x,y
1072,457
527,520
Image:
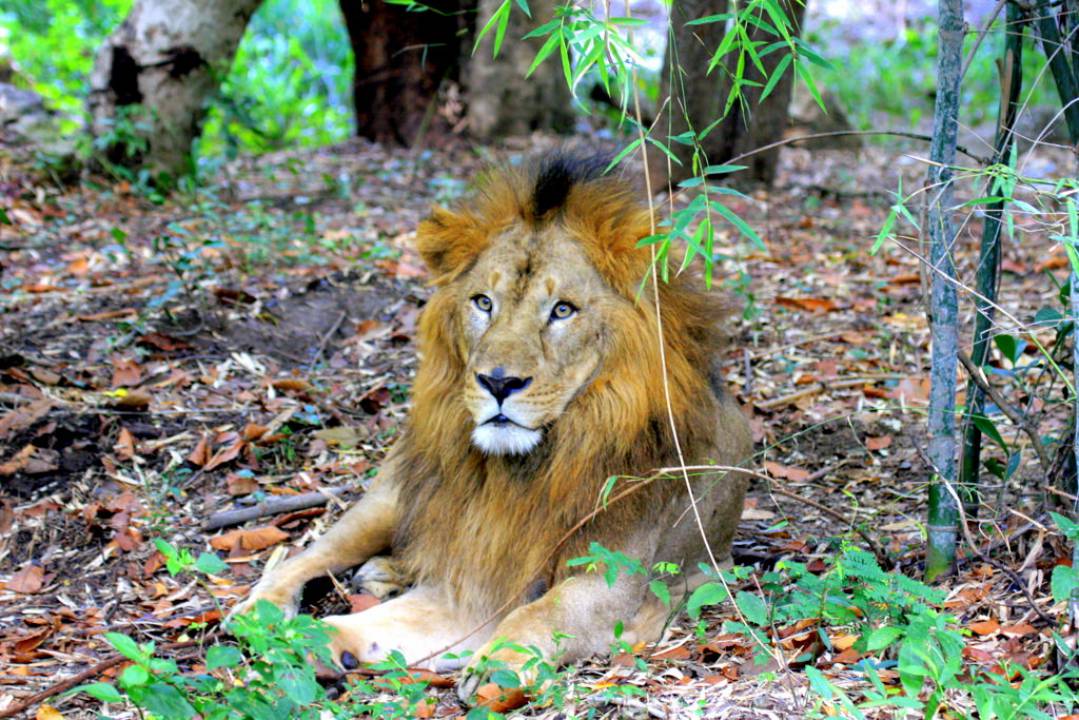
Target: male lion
x,y
541,377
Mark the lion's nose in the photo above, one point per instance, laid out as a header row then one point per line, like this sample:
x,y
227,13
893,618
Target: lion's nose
x,y
501,386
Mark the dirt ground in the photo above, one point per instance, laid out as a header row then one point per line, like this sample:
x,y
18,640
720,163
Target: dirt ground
x,y
160,363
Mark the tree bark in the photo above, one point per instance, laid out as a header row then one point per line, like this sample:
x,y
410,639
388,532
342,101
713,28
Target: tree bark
x,y
944,316
164,58
697,99
402,59
501,101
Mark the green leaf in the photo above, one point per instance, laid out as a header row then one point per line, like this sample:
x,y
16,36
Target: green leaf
x,y
505,679
298,686
885,231
753,607
707,19
496,19
881,638
101,691
211,564
1064,583
807,80
134,676
741,225
711,593
125,646
661,591
1008,346
1067,526
989,429
723,169
167,702
219,656
4,219
523,4
622,154
781,67
544,52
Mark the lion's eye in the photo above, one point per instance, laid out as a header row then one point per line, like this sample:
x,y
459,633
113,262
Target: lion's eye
x,y
562,310
482,303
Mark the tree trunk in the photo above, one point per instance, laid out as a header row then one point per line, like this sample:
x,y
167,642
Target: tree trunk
x,y
402,59
698,99
164,58
944,316
989,257
501,101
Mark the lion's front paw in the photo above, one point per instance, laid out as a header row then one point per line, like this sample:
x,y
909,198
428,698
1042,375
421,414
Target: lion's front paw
x,y
490,662
381,576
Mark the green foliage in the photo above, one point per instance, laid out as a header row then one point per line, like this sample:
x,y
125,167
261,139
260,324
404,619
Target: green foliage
x,y
289,85
892,80
53,43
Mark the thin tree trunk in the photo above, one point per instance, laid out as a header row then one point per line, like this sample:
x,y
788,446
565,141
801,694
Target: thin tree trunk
x,y
698,99
164,59
944,316
1011,84
501,101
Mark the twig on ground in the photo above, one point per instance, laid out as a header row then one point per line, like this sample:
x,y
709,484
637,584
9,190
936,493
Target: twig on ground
x,y
273,506
79,678
326,339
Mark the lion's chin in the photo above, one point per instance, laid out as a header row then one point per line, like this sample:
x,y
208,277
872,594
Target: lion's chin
x,y
505,439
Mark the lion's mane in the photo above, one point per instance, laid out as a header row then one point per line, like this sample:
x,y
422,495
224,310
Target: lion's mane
x,y
487,527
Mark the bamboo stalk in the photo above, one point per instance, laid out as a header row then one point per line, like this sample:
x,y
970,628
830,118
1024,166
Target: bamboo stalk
x,y
988,280
943,533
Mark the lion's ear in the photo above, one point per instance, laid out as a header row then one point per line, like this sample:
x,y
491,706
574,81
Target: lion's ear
x,y
448,241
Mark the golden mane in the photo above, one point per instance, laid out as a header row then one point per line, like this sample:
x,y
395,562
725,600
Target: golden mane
x,y
486,526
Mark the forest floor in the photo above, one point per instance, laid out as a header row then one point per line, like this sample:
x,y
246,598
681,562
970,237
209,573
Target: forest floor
x,y
165,360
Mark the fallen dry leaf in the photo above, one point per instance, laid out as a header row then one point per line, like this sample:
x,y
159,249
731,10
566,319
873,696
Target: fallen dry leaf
x,y
253,539
786,472
28,580
497,699
808,303
878,443
984,627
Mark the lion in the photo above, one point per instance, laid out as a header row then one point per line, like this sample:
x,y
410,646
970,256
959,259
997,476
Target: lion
x,y
541,375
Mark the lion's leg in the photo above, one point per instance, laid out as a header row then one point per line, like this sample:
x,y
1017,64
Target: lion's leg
x,y
418,624
364,530
581,611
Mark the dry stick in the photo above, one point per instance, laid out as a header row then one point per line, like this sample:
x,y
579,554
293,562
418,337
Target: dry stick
x,y
856,133
819,387
87,674
326,339
273,506
1021,421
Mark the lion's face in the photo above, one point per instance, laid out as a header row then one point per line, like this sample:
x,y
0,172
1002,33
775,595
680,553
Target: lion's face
x,y
532,312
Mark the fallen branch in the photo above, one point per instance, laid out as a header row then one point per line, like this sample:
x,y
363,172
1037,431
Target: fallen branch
x,y
273,506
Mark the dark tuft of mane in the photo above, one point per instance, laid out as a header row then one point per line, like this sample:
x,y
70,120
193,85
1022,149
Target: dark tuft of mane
x,y
557,175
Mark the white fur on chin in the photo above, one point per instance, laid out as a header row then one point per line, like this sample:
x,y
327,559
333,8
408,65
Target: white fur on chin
x,y
505,439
